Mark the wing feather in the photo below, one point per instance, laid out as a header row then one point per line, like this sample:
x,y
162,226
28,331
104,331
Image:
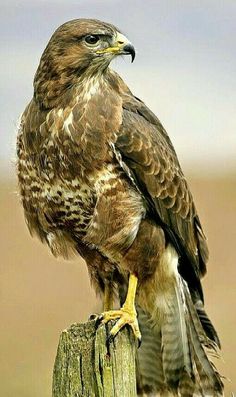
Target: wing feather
x,y
147,151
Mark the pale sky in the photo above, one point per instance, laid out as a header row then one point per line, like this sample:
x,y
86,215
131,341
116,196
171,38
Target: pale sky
x,y
185,68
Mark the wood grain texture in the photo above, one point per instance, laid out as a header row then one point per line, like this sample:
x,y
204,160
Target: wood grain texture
x,y
86,366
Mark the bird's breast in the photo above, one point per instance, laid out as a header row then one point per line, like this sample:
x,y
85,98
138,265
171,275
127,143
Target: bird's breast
x,y
62,155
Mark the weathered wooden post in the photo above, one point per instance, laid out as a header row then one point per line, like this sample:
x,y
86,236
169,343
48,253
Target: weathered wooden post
x,y
87,365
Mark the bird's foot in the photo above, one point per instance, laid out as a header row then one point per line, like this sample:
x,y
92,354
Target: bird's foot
x,y
125,315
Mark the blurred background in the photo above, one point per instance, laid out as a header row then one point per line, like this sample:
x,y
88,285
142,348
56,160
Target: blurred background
x,y
185,72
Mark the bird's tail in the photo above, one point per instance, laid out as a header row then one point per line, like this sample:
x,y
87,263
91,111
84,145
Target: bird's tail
x,y
174,356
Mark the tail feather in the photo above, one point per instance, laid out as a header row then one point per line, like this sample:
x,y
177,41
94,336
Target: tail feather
x,y
206,324
209,377
149,360
174,355
204,338
207,381
186,386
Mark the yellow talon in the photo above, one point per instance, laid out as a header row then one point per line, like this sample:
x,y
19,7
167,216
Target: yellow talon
x,y
127,313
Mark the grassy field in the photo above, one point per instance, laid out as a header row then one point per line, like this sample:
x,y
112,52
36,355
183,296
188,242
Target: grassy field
x,y
40,296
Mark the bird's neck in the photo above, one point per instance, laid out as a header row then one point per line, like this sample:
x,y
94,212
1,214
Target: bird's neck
x,y
53,88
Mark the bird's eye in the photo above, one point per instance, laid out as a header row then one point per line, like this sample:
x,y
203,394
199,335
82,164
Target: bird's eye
x,y
91,39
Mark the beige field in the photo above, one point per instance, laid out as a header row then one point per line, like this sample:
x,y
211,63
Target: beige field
x,y
40,296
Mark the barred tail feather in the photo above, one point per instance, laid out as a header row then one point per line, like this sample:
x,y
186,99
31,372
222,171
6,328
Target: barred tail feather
x,y
150,375
176,354
206,324
174,357
208,378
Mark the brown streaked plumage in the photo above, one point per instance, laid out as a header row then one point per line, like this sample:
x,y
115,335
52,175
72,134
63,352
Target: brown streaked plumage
x,y
99,177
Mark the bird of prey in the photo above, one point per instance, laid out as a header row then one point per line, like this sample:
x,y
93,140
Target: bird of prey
x,y
99,177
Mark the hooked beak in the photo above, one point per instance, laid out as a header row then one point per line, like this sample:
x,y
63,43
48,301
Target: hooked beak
x,y
122,46
129,50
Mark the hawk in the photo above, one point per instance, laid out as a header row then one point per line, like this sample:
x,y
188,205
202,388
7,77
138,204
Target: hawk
x,y
99,177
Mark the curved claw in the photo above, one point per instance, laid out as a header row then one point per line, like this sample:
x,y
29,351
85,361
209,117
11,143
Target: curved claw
x,y
124,317
93,317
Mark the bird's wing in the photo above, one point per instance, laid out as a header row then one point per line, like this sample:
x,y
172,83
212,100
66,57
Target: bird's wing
x,y
147,151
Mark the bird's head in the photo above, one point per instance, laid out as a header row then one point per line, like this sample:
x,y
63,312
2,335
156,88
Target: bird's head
x,y
78,48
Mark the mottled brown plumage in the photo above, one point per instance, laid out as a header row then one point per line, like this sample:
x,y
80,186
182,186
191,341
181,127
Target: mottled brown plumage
x,y
98,176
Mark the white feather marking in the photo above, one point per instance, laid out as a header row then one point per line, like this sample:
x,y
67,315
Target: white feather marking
x,y
169,261
157,303
60,112
75,182
91,88
51,238
68,121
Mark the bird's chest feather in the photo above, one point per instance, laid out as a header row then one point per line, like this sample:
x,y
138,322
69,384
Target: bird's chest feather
x,y
61,154
54,199
89,125
81,134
